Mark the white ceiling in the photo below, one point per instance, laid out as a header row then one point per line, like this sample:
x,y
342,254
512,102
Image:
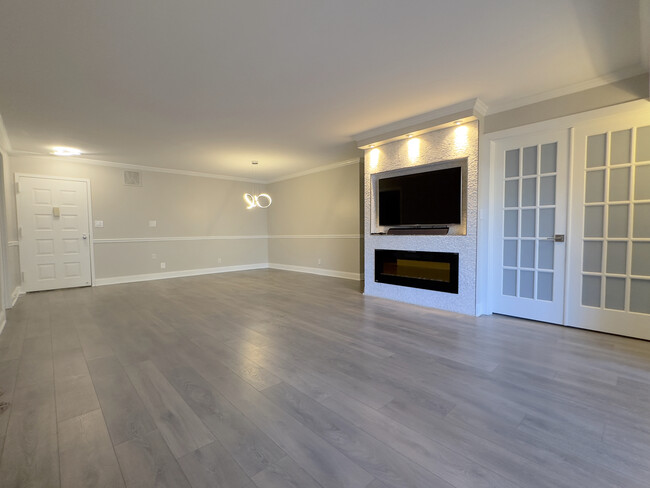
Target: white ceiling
x,y
209,85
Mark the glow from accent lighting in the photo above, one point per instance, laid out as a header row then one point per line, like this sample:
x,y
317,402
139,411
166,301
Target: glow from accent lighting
x,y
65,151
414,149
374,158
460,137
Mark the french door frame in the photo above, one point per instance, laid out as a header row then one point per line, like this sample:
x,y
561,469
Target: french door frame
x,y
487,196
563,140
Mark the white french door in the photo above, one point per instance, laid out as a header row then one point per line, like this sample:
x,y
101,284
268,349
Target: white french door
x,y
529,210
54,237
609,286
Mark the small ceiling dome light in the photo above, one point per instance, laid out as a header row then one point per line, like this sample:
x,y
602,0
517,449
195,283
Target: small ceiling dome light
x,y
65,151
263,200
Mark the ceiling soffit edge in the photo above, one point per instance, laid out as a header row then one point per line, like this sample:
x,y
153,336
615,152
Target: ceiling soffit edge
x,y
462,112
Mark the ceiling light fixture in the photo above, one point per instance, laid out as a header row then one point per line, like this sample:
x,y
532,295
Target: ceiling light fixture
x,y
263,200
65,151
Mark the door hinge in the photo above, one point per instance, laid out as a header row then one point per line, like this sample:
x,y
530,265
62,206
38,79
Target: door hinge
x,y
18,187
22,276
20,232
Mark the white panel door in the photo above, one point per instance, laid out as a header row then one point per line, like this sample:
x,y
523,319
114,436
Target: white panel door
x,y
529,211
53,221
609,270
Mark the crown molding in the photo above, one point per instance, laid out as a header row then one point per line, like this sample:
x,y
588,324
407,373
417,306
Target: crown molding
x,y
157,169
318,169
136,167
441,118
607,79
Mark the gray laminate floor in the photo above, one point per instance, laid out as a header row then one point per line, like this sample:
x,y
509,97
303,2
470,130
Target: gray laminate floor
x,y
273,379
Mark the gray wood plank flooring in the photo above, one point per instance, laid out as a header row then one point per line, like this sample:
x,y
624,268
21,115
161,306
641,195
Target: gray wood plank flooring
x,y
273,379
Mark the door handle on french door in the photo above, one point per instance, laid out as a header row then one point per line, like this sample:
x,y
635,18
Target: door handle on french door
x,y
84,236
556,238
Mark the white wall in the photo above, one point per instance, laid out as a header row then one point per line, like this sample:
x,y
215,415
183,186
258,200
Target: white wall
x,y
202,223
315,222
438,146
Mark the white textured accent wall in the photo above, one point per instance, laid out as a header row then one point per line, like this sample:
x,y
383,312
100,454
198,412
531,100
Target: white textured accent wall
x,y
438,146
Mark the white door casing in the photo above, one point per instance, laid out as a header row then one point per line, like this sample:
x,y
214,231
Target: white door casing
x,y
54,232
609,269
529,211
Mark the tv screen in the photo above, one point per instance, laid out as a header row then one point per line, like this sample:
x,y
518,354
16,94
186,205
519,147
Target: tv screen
x,y
421,199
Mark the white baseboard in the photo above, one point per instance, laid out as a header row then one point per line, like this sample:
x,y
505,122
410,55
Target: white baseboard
x,y
3,320
317,271
18,291
176,274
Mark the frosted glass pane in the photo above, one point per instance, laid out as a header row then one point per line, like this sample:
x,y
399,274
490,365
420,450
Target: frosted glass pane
x,y
530,161
528,223
596,150
526,284
546,222
527,259
639,293
547,190
641,220
511,194
642,183
545,254
594,221
643,143
641,259
510,282
529,192
510,223
510,253
545,286
591,291
621,144
595,187
592,256
512,163
619,184
615,293
548,159
617,221
616,257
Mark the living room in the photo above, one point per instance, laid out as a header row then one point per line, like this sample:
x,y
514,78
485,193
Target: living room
x,y
280,246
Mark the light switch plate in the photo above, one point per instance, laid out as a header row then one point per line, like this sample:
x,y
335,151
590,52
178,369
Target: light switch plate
x,y
99,223
153,223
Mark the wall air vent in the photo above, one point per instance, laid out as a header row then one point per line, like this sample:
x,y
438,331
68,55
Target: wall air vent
x,y
132,178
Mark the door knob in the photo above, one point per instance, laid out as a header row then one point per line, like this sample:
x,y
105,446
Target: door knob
x,y
556,238
84,236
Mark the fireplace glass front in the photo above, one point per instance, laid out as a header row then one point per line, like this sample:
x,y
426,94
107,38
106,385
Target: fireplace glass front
x,y
418,269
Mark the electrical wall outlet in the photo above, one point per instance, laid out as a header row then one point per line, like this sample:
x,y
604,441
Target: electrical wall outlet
x,y
163,265
153,223
320,261
99,224
218,260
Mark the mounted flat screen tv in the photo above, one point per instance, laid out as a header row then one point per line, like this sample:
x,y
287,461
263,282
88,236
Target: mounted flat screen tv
x,y
431,198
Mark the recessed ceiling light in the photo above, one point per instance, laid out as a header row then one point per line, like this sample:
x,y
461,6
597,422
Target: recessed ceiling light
x,y
65,151
458,122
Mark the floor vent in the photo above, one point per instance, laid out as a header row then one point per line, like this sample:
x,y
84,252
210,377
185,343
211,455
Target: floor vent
x,y
132,178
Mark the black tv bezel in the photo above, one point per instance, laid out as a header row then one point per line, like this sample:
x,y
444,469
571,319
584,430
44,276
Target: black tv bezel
x,y
447,165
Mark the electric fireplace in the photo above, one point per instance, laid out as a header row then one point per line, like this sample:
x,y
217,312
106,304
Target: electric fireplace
x,y
417,269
